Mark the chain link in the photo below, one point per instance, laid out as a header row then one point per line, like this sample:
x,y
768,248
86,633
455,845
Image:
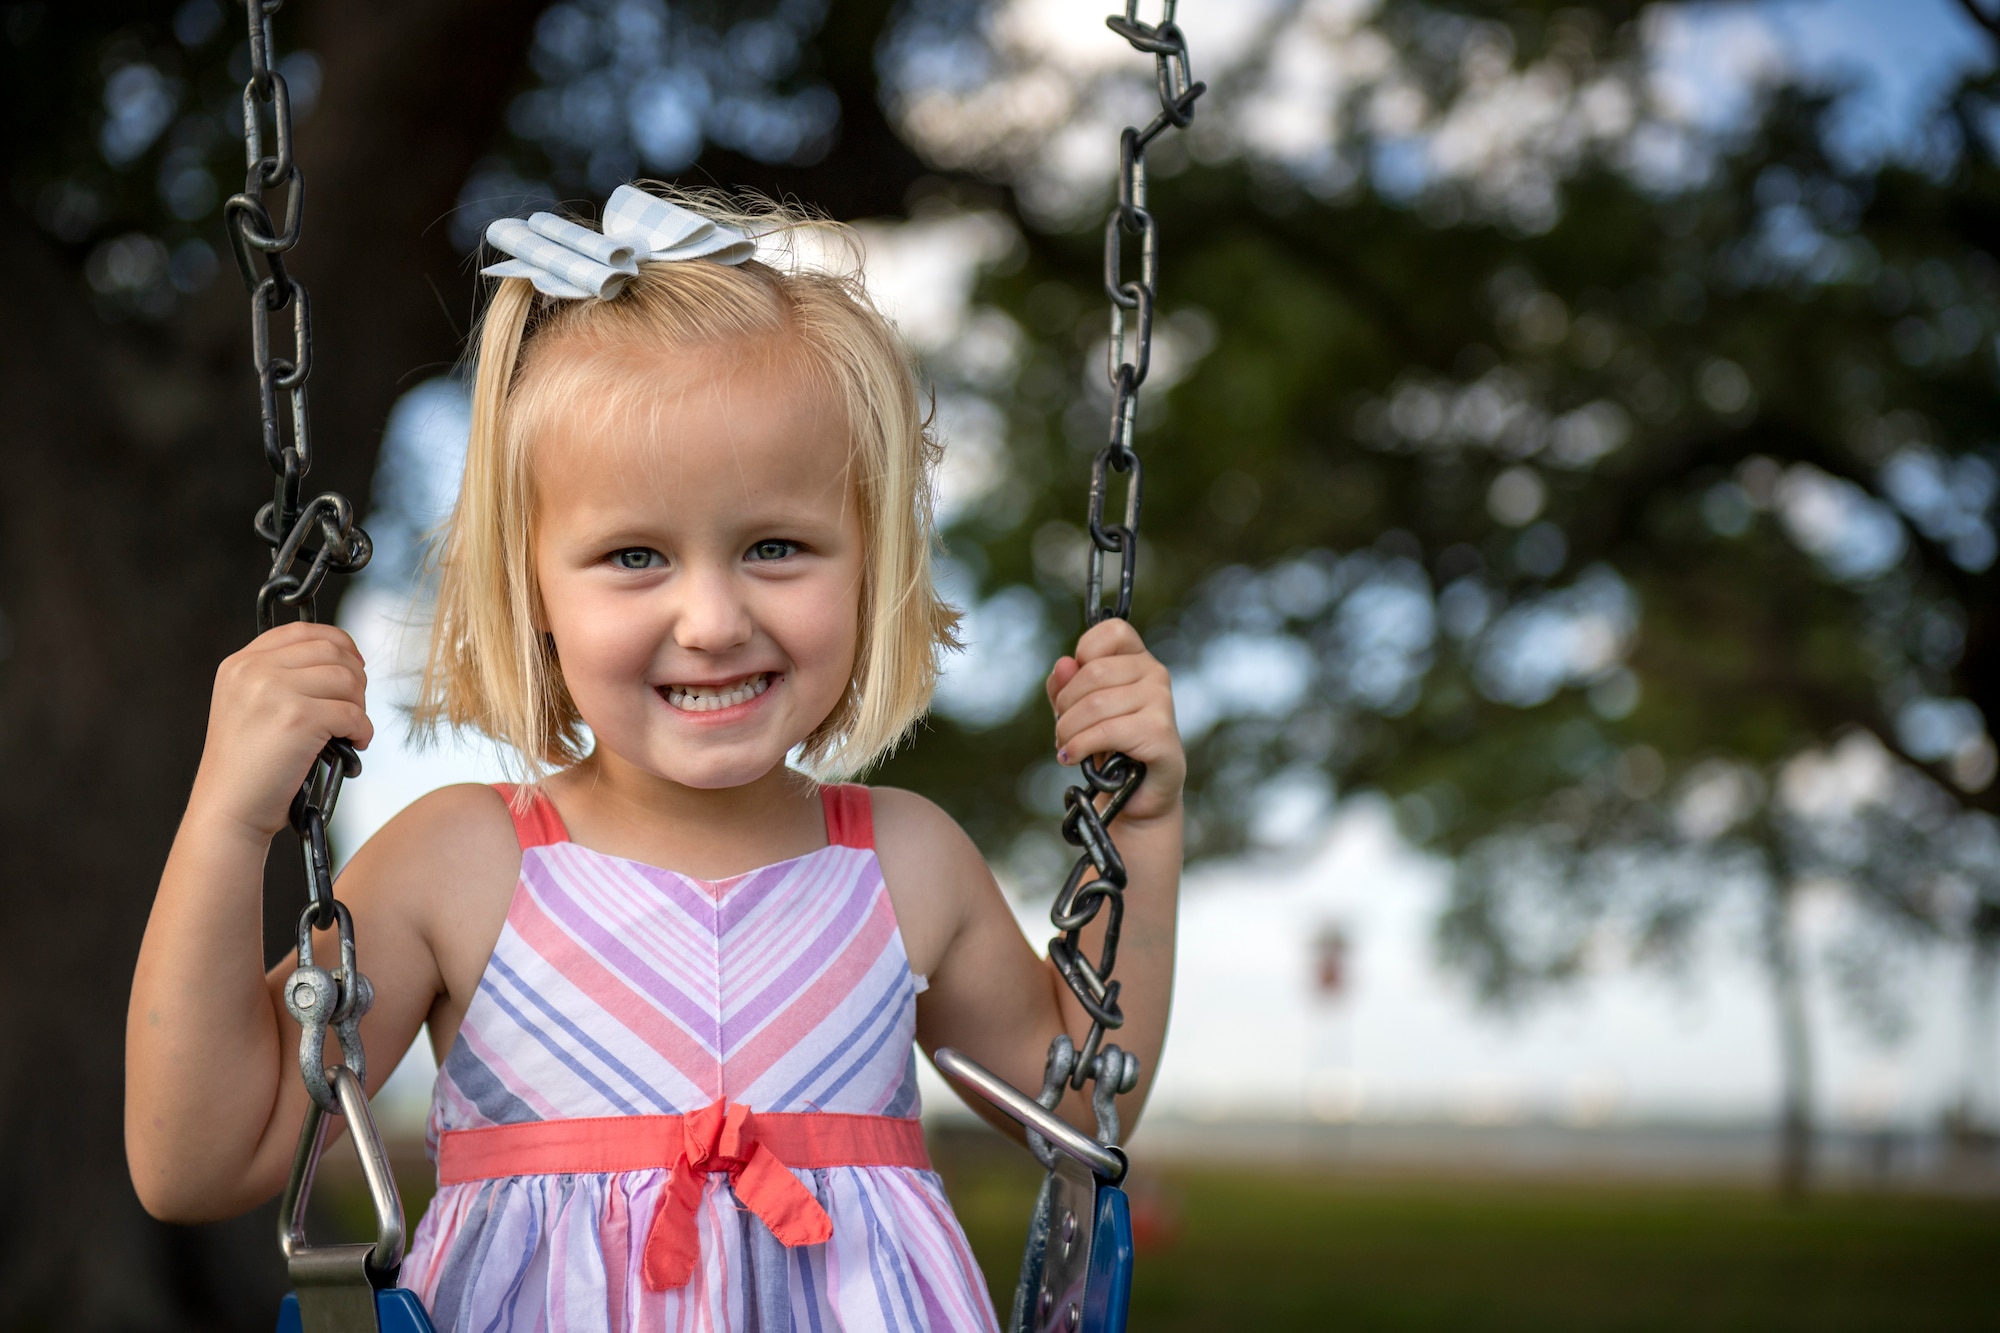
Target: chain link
x,y
1096,883
309,538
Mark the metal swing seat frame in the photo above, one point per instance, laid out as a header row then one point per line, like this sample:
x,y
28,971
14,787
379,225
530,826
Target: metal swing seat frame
x,y
1077,1265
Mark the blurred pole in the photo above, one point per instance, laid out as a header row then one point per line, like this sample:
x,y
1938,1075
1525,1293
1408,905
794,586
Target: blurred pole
x,y
1329,963
1328,1078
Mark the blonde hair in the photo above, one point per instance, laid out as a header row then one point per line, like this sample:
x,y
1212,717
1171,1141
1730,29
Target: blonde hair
x,y
492,668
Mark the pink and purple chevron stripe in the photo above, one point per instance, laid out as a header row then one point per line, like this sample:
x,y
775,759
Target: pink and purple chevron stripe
x,y
618,988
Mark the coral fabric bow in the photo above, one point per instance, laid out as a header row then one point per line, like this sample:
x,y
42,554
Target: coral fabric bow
x,y
565,259
724,1138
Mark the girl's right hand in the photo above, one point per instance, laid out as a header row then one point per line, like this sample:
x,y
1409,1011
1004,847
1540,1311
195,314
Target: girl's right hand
x,y
277,703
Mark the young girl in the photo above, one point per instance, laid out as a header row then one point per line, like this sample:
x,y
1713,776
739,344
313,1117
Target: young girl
x,y
672,981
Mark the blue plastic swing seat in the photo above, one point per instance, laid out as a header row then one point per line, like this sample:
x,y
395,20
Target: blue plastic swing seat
x,y
397,1310
1108,1292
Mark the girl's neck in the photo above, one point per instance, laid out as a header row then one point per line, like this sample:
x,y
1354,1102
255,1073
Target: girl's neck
x,y
712,833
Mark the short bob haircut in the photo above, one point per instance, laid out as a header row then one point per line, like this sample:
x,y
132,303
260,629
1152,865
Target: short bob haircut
x,y
491,667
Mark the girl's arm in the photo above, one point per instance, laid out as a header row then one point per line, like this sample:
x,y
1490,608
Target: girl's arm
x,y
990,996
213,1098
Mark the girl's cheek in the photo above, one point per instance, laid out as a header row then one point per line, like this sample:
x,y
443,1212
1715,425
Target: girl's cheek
x,y
837,630
596,641
817,629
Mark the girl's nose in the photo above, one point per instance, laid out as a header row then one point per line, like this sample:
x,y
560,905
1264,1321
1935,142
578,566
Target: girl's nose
x,y
712,616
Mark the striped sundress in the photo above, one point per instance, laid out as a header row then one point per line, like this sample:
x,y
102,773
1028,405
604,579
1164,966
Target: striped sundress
x,y
619,989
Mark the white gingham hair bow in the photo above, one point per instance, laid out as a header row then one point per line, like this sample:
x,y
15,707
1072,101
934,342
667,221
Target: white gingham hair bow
x,y
567,260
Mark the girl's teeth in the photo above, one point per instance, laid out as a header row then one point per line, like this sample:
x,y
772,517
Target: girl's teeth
x,y
702,699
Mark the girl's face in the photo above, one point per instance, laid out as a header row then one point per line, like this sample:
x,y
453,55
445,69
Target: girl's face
x,y
700,561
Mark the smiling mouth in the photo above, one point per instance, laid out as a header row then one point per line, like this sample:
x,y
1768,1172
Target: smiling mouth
x,y
713,698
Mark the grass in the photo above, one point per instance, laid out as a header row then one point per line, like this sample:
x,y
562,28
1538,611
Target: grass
x,y
1317,1250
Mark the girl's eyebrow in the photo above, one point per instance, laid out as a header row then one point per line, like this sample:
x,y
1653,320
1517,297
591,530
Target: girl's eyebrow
x,y
774,520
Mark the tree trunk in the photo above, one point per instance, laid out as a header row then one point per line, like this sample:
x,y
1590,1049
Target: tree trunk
x,y
1795,1057
127,569
1979,1107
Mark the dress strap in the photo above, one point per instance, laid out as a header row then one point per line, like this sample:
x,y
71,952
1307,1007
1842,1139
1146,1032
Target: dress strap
x,y
850,815
539,824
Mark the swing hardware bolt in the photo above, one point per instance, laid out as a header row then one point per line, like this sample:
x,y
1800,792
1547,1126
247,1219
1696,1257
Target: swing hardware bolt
x,y
305,1005
320,998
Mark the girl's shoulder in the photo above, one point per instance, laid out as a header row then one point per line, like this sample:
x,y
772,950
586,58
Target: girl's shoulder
x,y
913,829
464,819
453,838
935,876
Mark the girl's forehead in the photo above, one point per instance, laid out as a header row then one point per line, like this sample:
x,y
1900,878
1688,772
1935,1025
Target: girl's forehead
x,y
653,420
626,392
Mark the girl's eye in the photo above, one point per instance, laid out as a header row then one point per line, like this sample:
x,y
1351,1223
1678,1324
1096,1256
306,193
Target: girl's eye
x,y
636,557
771,550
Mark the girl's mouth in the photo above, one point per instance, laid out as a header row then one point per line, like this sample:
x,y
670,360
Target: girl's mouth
x,y
715,698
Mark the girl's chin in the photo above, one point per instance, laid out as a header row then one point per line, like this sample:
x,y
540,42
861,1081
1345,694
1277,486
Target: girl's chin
x,y
739,766
727,780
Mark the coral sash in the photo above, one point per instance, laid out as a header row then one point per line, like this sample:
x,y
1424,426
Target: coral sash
x,y
753,1148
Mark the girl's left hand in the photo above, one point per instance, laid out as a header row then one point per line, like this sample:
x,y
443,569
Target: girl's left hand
x,y
1114,695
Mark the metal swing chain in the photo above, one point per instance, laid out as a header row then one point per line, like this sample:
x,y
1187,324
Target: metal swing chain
x,y
309,538
1096,883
